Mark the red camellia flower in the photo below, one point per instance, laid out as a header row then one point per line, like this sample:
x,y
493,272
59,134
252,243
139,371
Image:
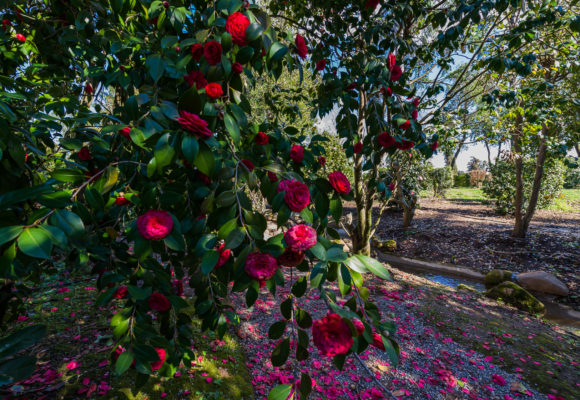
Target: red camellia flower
x,y
301,46
300,237
331,335
320,65
297,195
262,138
85,154
378,341
158,302
89,88
290,258
20,37
391,186
391,61
213,52
272,176
214,90
352,86
121,201
224,255
197,51
126,132
248,164
357,148
178,286
236,26
237,68
260,266
204,178
121,292
297,153
416,101
339,182
157,364
386,91
197,78
371,4
155,224
5,23
414,114
386,140
193,123
359,326
404,145
434,145
322,161
405,125
396,73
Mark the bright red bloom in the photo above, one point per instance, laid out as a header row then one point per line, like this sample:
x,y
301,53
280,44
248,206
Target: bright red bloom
x,y
386,91
405,125
322,161
89,88
126,132
121,292
197,51
297,153
297,195
416,101
391,186
414,114
396,73
291,258
155,224
121,201
197,78
157,364
357,148
386,140
301,46
158,302
193,123
391,61
262,138
214,90
339,182
85,154
248,164
371,4
300,237
237,68
359,326
260,266
320,65
236,26
378,341
434,145
331,335
272,176
5,23
224,255
404,145
20,37
213,52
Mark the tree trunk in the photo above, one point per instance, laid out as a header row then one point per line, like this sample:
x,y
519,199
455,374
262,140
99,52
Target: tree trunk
x,y
519,230
488,154
577,147
538,175
498,152
456,154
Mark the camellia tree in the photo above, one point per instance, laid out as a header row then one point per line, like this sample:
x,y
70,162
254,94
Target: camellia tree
x,y
126,149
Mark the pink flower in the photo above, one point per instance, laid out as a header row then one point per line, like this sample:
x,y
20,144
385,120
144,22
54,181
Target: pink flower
x,y
121,292
378,341
20,37
290,258
157,364
121,201
272,176
414,114
260,266
396,73
158,302
322,161
297,153
300,237
301,46
193,123
297,195
391,61
387,92
73,365
155,224
331,335
498,380
224,255
359,326
416,101
339,182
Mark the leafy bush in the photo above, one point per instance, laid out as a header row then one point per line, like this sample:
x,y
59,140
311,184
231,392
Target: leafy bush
x,y
501,187
441,179
336,159
572,177
477,176
461,180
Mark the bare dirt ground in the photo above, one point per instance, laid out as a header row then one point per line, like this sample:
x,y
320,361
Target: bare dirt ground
x,y
470,234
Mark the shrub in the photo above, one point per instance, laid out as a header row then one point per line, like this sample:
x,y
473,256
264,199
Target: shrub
x,y
572,177
441,180
501,187
476,177
461,180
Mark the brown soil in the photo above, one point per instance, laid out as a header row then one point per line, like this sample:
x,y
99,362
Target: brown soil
x,y
470,234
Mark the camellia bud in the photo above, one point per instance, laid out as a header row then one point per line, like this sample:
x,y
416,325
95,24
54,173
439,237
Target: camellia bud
x,y
166,4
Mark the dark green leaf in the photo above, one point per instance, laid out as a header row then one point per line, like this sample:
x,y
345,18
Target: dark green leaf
x,y
208,261
277,330
123,362
35,242
281,353
280,392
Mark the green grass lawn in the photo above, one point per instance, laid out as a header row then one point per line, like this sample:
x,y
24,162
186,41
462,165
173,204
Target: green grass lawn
x,y
569,200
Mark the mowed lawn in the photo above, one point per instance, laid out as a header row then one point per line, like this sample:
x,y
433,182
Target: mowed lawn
x,y
568,201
